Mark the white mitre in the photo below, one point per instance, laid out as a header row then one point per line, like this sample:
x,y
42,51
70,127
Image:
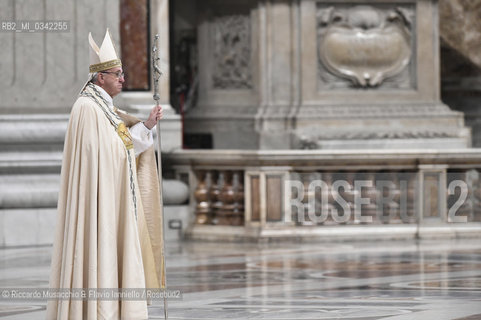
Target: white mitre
x,y
102,58
105,57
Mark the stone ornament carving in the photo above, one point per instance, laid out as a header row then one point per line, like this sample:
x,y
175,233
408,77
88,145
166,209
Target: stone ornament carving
x,y
363,44
375,111
232,52
306,141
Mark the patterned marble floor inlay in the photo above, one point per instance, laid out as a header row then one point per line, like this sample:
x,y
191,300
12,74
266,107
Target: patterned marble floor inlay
x,y
362,280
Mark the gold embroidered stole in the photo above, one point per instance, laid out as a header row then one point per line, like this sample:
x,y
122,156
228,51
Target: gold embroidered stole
x,y
124,134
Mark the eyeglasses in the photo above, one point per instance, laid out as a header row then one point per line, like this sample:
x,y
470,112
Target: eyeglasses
x,y
118,74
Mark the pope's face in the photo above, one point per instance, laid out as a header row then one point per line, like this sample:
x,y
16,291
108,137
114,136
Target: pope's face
x,y
111,80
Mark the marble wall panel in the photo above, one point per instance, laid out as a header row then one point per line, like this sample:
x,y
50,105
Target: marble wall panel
x,y
134,26
44,71
279,55
7,63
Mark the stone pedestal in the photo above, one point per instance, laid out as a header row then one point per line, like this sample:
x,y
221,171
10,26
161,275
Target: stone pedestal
x,y
322,75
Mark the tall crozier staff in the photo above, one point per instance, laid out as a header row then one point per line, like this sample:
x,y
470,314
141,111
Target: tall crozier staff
x,y
156,73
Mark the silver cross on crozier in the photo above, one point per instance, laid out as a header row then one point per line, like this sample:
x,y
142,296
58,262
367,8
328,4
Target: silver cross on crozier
x,y
156,69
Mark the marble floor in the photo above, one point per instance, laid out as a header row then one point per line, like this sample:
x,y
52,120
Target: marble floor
x,y
347,280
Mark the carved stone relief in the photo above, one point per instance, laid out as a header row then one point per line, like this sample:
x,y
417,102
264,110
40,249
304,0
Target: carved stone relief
x,y
231,52
365,46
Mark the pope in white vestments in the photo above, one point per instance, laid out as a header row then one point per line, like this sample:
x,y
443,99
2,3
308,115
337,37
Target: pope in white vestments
x,y
108,232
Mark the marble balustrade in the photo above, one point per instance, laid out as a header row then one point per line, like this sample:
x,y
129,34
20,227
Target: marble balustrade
x,y
294,189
